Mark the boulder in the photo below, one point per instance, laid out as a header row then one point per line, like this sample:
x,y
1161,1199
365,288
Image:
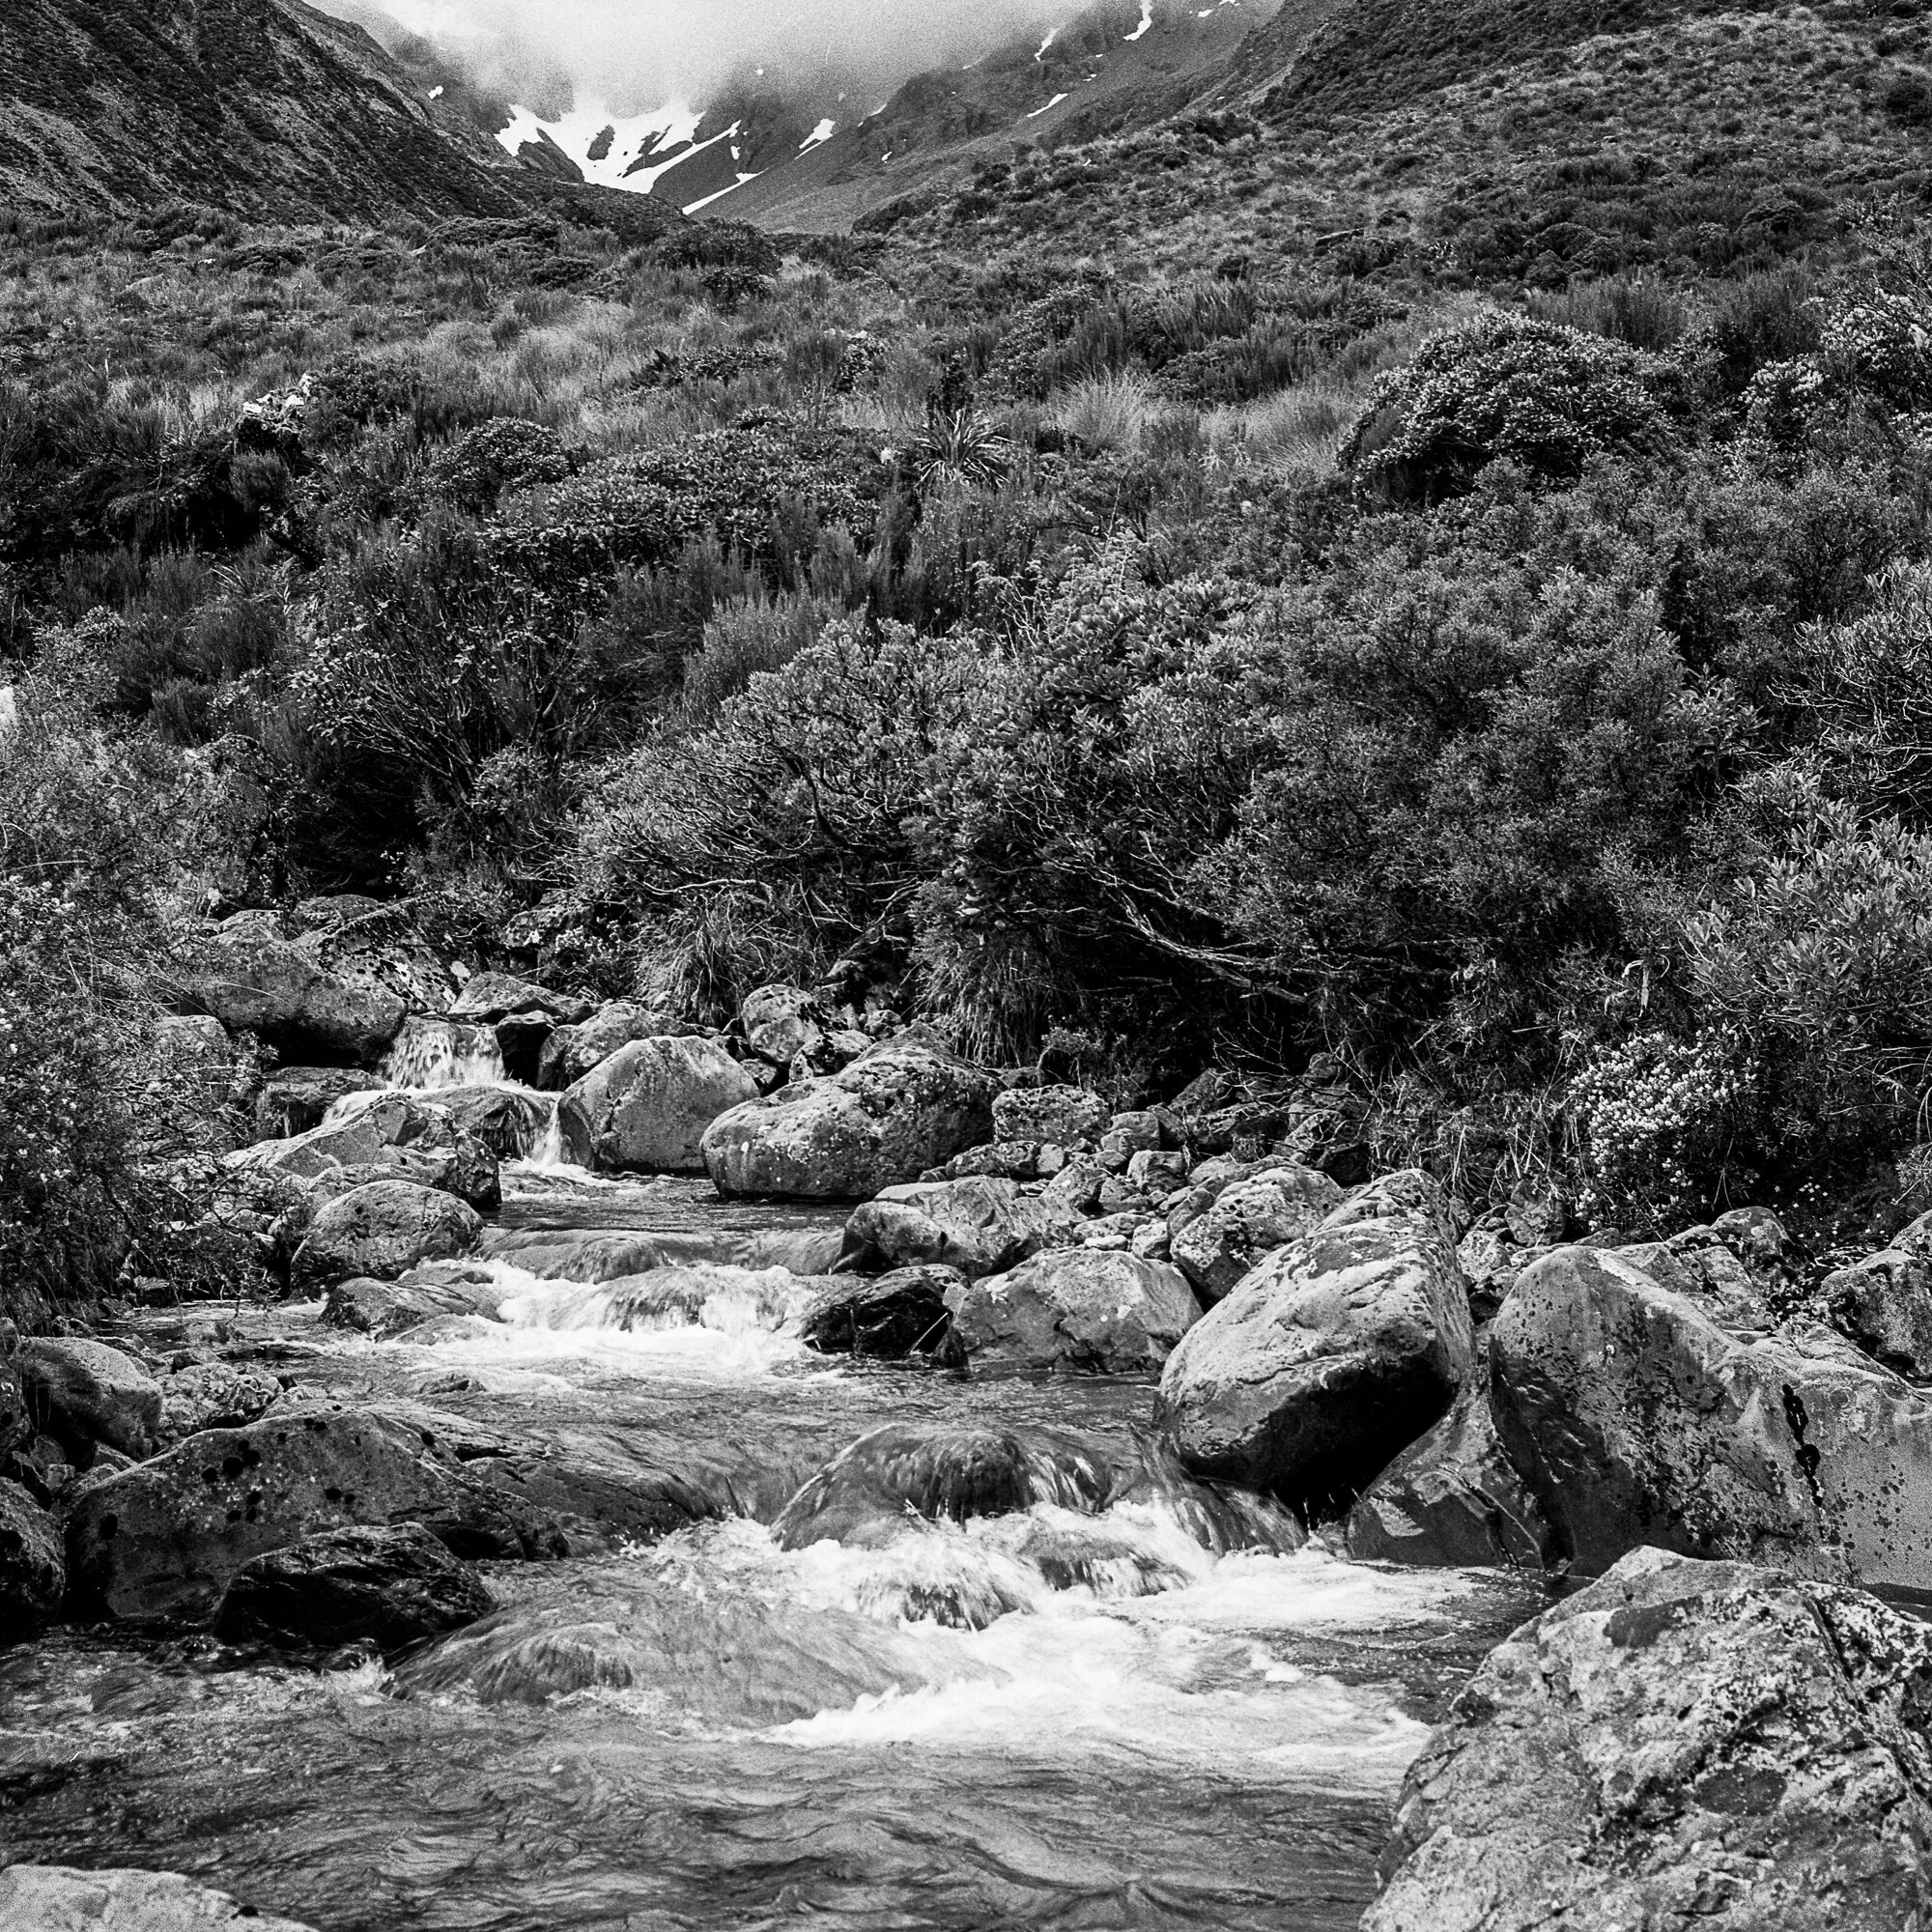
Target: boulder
x,y
33,1570
978,1225
377,948
571,1051
781,1022
213,1394
380,1228
384,1309
1246,1220
1094,1311
390,1587
1758,1238
58,1898
489,998
419,1140
1695,1263
887,1314
508,1122
1681,1743
1066,1116
1539,1212
253,982
941,1473
83,1392
1003,1160
1334,1355
1884,1304
160,1541
900,1108
296,1098
1635,1417
1451,1500
645,1109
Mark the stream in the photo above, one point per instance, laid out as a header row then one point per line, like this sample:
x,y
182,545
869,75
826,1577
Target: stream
x,y
1049,1718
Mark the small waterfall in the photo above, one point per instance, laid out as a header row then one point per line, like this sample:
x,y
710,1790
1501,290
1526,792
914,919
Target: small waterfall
x,y
432,1053
547,1155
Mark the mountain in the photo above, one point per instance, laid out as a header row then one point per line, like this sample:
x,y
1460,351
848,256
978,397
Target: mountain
x,y
265,108
814,155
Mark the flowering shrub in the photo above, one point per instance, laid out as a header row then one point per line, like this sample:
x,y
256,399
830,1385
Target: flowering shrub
x,y
1537,393
1658,1119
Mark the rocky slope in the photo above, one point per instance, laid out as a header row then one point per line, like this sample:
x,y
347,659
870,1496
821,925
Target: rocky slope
x,y
265,108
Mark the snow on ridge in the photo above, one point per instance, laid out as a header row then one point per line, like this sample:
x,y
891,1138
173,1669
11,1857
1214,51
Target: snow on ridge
x,y
1147,19
1038,111
824,131
705,201
632,136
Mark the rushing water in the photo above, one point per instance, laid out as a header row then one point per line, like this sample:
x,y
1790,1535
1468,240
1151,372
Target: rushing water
x,y
1050,1719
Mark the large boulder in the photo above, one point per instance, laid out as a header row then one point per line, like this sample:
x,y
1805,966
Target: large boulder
x,y
1093,1310
1884,1304
33,1570
570,1052
390,1587
1681,1743
1333,1356
384,1309
1062,1115
1635,1417
420,1140
85,1393
889,1315
781,1022
59,1898
645,1108
1249,1218
160,1541
900,1108
506,1121
382,1228
1451,1500
488,998
978,1225
253,982
377,948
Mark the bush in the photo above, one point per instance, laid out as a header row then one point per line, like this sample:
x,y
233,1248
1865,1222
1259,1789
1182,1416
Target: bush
x,y
1536,394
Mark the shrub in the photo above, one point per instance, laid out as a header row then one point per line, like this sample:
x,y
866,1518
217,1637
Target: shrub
x,y
472,472
1543,396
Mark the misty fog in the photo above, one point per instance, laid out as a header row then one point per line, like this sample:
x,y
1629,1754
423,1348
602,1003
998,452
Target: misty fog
x,y
634,54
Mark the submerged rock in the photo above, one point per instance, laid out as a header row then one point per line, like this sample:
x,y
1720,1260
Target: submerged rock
x,y
382,1228
645,1108
57,1898
900,1108
1680,1743
941,1473
391,1586
1096,1311
84,1393
1451,1500
1333,1356
978,1225
159,1541
889,1315
1635,1417
33,1570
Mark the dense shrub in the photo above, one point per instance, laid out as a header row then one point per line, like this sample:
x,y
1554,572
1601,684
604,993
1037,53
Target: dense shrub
x,y
1538,394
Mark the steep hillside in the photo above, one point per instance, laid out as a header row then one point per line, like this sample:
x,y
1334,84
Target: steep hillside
x,y
264,108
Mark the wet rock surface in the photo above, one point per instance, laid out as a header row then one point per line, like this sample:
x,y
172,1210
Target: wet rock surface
x,y
391,1586
889,1315
85,1393
1682,1742
33,1569
382,1228
1634,1417
646,1106
980,1225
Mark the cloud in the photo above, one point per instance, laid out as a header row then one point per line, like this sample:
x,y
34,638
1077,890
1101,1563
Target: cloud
x,y
634,54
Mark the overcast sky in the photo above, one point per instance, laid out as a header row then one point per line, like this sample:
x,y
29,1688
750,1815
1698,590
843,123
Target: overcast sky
x,y
636,53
